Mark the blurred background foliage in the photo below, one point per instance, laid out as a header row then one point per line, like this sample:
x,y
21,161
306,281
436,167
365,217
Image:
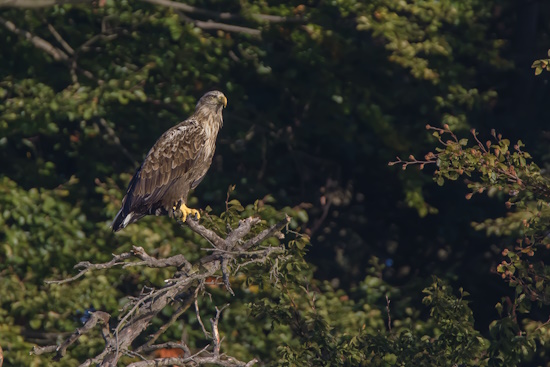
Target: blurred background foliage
x,y
322,95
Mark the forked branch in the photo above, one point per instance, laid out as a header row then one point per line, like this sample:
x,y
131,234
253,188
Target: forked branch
x,y
227,256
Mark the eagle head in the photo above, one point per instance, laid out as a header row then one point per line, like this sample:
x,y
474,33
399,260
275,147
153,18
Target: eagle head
x,y
213,99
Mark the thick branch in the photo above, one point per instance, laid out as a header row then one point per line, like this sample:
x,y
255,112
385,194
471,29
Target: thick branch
x,y
206,233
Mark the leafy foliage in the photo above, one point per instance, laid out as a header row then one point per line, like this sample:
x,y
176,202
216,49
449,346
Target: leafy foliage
x,y
321,96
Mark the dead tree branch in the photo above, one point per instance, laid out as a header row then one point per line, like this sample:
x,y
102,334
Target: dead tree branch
x,y
223,15
60,39
42,44
210,25
98,316
239,248
38,42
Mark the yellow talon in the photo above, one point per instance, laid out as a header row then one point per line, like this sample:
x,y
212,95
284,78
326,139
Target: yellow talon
x,y
185,211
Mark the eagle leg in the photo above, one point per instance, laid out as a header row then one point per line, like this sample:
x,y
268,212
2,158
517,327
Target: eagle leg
x,y
185,211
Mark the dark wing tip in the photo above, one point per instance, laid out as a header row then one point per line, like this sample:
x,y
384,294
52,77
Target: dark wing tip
x,y
117,222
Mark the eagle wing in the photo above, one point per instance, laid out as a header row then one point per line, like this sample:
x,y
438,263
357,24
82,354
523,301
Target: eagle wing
x,y
173,155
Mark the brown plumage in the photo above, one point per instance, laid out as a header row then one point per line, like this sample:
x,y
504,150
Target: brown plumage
x,y
175,164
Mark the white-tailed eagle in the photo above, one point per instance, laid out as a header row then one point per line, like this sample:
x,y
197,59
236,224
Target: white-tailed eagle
x,y
175,164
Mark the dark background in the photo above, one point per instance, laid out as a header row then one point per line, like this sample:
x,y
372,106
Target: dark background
x,y
317,108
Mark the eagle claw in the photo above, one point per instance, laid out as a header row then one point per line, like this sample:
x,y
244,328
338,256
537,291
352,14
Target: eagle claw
x,y
185,211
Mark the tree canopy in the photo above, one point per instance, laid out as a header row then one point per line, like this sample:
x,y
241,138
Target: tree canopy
x,y
378,266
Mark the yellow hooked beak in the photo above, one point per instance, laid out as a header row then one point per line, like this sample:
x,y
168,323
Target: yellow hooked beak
x,y
223,100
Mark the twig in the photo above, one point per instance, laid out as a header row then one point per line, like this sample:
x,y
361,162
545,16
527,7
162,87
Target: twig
x,y
211,25
542,325
98,316
225,276
320,221
388,311
177,261
481,146
47,47
262,256
215,333
134,308
86,46
60,39
206,333
42,350
164,327
265,233
114,137
38,42
87,266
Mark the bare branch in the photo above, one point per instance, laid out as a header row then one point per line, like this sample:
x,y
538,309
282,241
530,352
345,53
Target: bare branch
x,y
146,347
47,47
242,230
210,25
177,261
260,256
98,316
38,42
42,350
215,333
266,233
87,266
205,232
199,319
60,39
87,46
224,15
